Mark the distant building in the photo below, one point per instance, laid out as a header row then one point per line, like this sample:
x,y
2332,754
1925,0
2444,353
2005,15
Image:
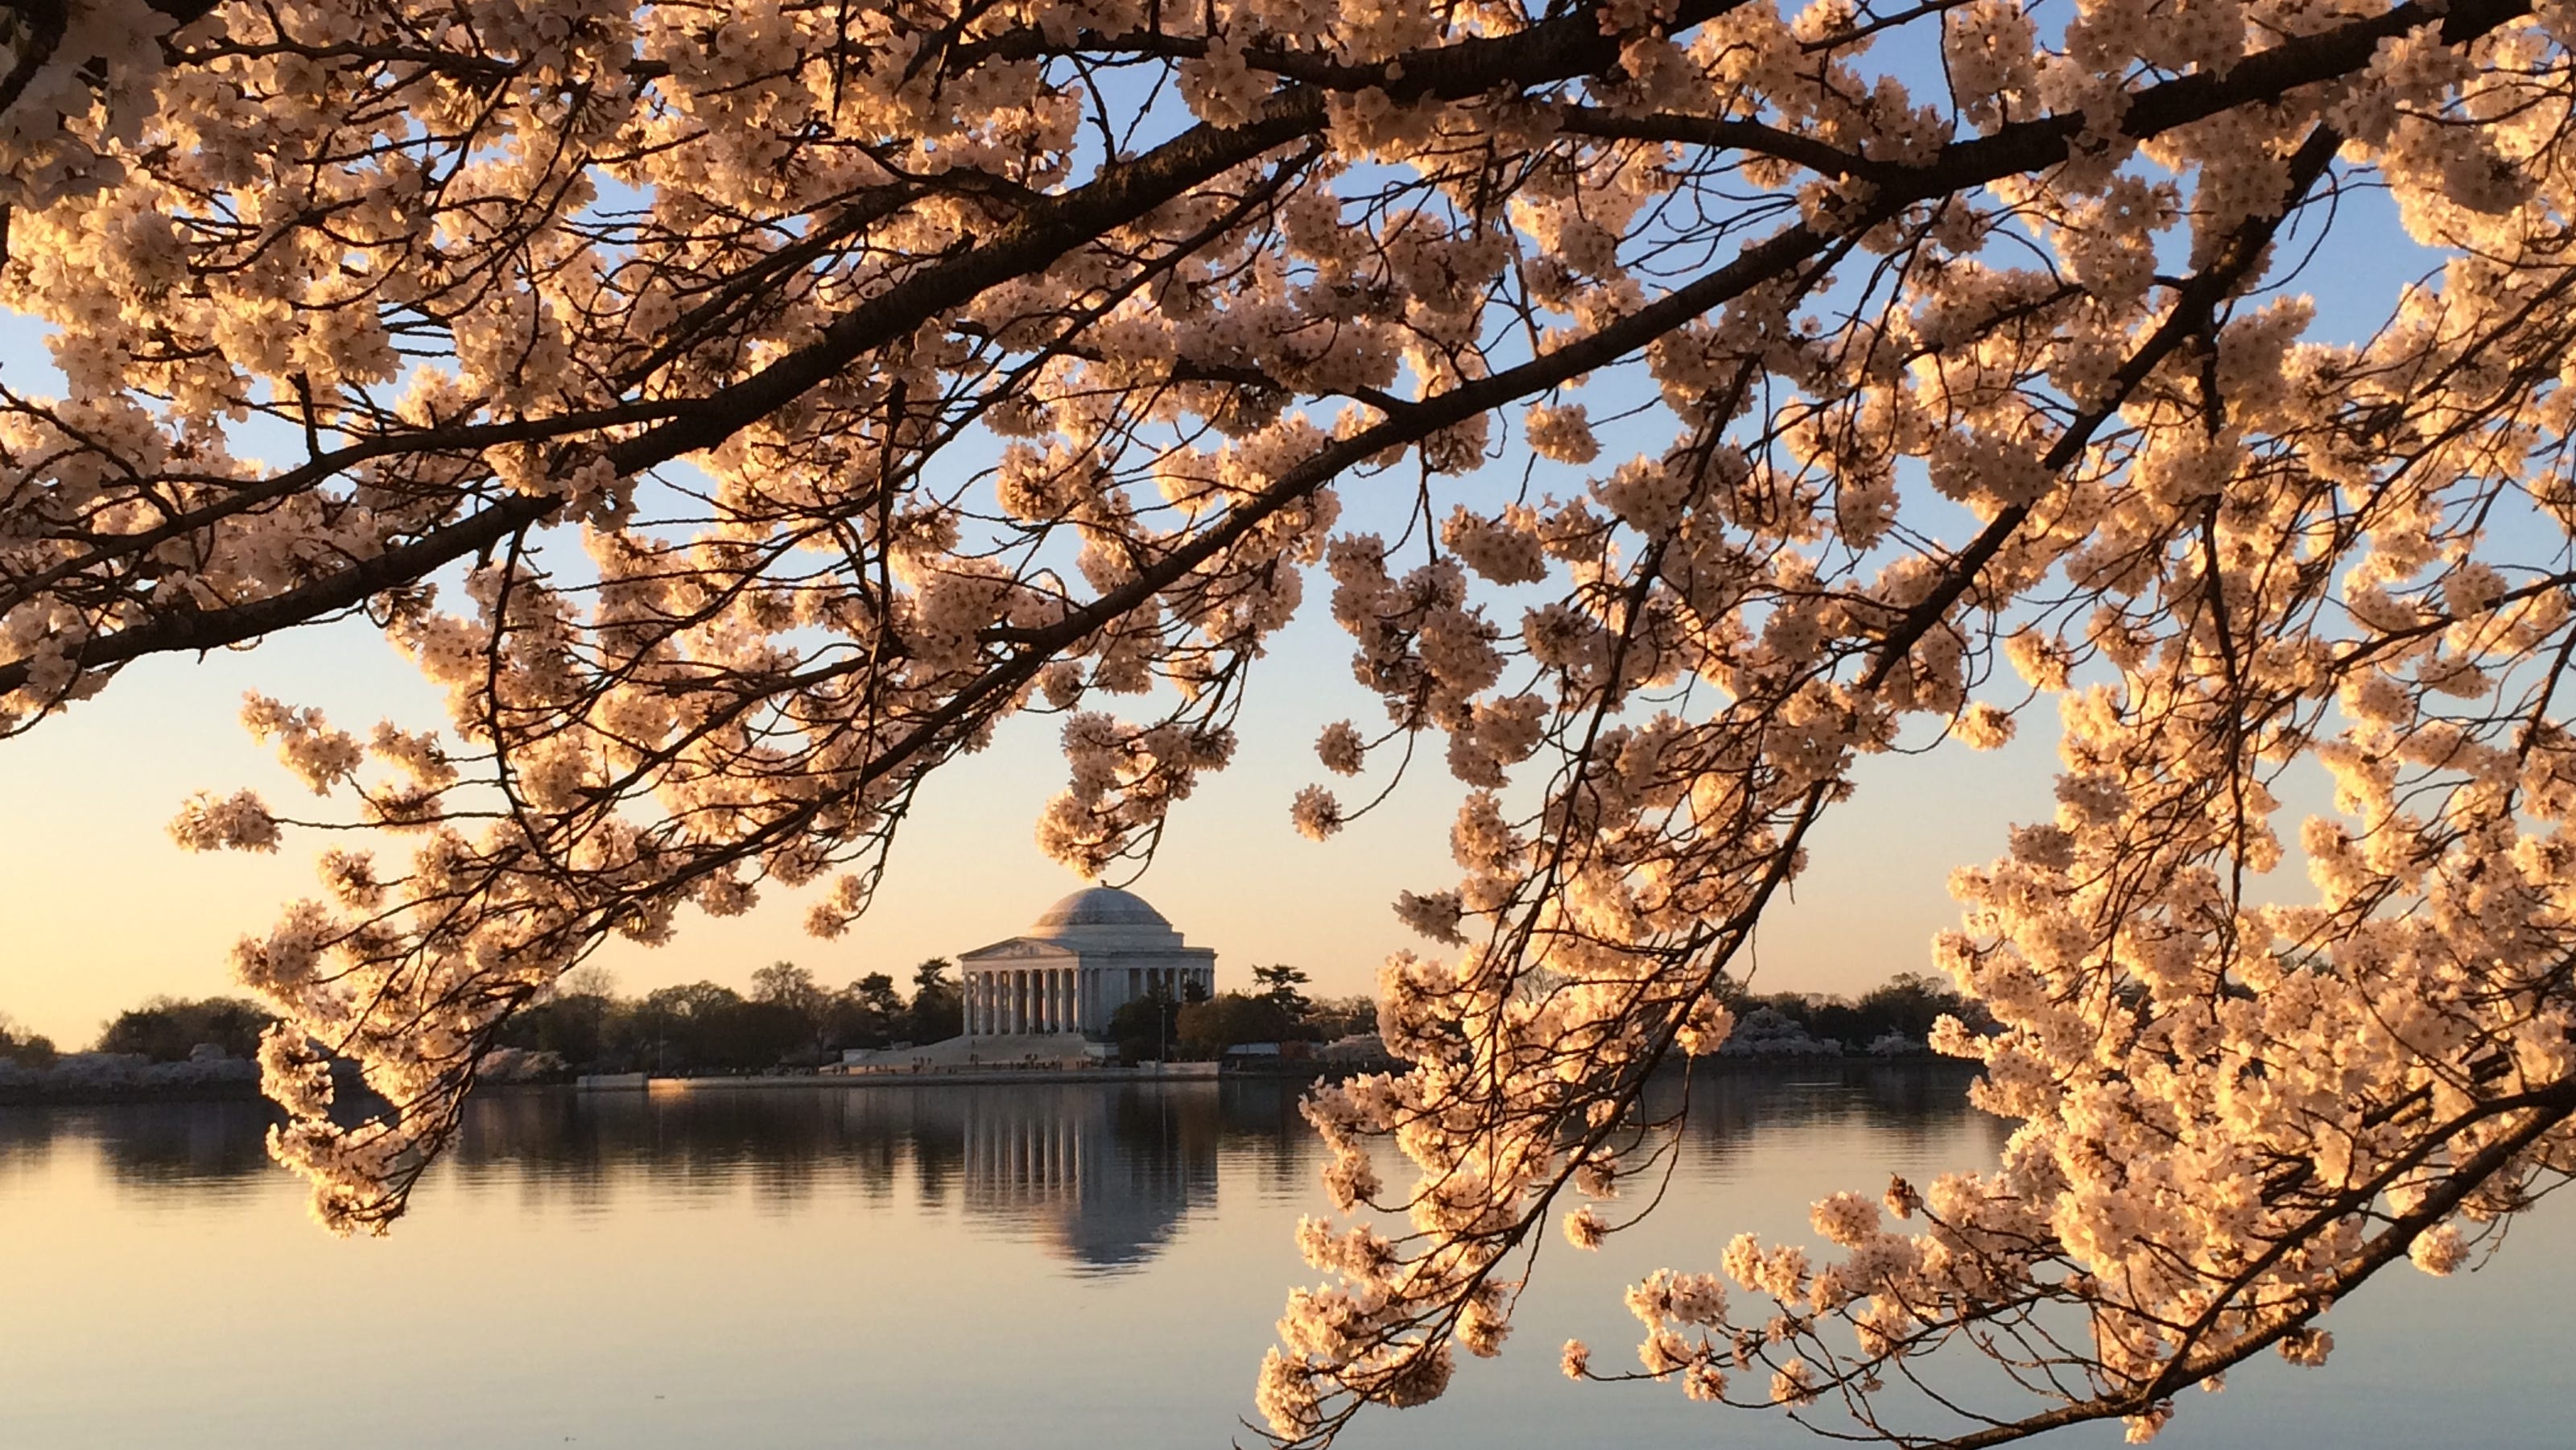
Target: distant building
x,y
1087,956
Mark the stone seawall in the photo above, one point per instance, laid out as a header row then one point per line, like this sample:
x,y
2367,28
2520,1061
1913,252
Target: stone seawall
x,y
1178,1072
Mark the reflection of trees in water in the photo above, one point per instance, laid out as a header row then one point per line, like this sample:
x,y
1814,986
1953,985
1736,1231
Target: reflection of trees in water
x,y
26,1149
148,1145
783,1146
1265,1134
26,1141
1909,1107
1103,1173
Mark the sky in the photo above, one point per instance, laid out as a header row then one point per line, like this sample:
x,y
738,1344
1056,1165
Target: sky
x,y
99,910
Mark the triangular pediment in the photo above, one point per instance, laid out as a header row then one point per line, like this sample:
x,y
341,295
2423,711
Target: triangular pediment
x,y
1015,947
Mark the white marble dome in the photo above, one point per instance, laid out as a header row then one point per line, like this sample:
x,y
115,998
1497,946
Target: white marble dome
x,y
1099,906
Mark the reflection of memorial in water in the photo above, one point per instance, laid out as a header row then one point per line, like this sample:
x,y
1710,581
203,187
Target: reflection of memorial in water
x,y
1100,1174
1103,1177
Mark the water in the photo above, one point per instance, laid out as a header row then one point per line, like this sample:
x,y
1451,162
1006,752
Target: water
x,y
1078,1266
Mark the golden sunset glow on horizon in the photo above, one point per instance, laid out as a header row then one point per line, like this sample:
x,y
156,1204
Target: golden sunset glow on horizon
x,y
103,910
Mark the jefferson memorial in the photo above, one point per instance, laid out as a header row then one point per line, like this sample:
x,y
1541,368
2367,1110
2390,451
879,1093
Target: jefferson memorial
x,y
1086,956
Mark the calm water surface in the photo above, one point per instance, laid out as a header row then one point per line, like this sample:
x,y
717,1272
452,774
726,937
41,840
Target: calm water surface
x,y
1087,1266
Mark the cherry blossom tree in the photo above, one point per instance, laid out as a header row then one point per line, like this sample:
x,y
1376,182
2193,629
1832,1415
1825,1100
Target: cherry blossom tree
x,y
741,410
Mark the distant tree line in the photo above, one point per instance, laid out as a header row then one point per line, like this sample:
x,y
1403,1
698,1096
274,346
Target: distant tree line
x,y
25,1048
170,1029
163,1029
1905,1005
789,1020
1156,1026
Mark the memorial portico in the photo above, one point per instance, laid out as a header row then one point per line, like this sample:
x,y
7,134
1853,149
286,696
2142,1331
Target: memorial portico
x,y
1087,956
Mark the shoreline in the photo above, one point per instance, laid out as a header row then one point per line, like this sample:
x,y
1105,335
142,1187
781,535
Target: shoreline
x,y
231,1089
983,1077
